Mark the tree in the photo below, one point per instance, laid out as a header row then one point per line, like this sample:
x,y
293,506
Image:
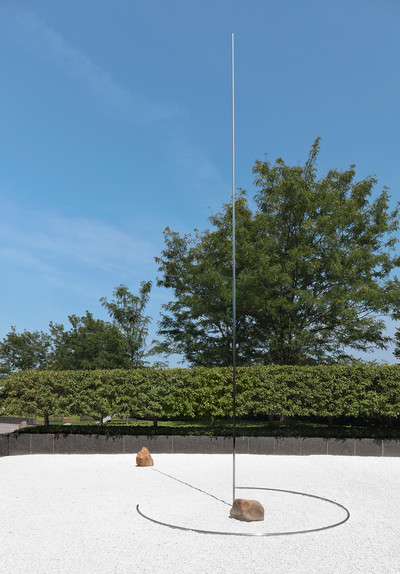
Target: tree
x,y
198,268
396,351
26,350
314,272
127,311
89,344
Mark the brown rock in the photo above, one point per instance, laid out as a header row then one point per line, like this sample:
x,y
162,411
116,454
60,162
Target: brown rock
x,y
247,510
143,458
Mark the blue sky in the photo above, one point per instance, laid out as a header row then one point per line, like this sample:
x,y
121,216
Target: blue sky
x,y
116,122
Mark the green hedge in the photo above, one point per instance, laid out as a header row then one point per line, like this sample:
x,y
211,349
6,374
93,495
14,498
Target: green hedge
x,y
357,391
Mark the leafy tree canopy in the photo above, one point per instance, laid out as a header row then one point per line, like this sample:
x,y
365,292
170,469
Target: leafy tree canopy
x,y
89,344
128,313
314,265
26,350
396,351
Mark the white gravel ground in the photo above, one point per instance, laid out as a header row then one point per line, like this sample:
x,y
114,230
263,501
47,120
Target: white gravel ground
x,y
76,514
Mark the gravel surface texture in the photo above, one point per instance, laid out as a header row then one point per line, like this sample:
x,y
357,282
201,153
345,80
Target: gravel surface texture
x,y
77,514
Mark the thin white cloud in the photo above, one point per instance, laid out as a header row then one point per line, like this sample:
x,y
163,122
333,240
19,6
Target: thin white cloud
x,y
97,243
53,47
197,169
22,258
201,173
49,244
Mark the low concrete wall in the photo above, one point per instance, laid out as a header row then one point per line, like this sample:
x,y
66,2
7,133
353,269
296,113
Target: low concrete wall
x,y
26,443
17,420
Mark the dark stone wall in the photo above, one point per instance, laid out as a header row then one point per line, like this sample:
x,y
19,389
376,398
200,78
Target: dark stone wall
x,y
4,444
22,444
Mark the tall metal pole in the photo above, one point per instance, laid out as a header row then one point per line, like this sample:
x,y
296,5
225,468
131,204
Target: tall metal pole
x,y
233,271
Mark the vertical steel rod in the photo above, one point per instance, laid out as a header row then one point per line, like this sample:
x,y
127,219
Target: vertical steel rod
x,y
233,272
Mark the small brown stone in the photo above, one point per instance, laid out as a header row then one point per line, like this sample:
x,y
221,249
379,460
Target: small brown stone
x,y
247,510
143,458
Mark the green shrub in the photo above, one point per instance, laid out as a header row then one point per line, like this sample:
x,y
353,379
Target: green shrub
x,y
328,391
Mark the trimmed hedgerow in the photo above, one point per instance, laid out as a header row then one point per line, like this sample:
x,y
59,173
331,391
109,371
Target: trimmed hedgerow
x,y
328,391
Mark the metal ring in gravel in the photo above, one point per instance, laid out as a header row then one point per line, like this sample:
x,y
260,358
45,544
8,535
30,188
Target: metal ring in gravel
x,y
277,533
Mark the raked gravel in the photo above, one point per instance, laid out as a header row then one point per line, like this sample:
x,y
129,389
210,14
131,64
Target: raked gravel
x,y
76,514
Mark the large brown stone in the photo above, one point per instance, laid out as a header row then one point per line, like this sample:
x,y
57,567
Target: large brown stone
x,y
143,458
247,510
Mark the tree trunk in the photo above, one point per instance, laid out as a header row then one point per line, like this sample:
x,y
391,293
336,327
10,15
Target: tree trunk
x,y
155,421
271,417
127,420
46,419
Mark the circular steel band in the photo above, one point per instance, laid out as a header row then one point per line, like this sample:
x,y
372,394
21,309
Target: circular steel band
x,y
283,533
